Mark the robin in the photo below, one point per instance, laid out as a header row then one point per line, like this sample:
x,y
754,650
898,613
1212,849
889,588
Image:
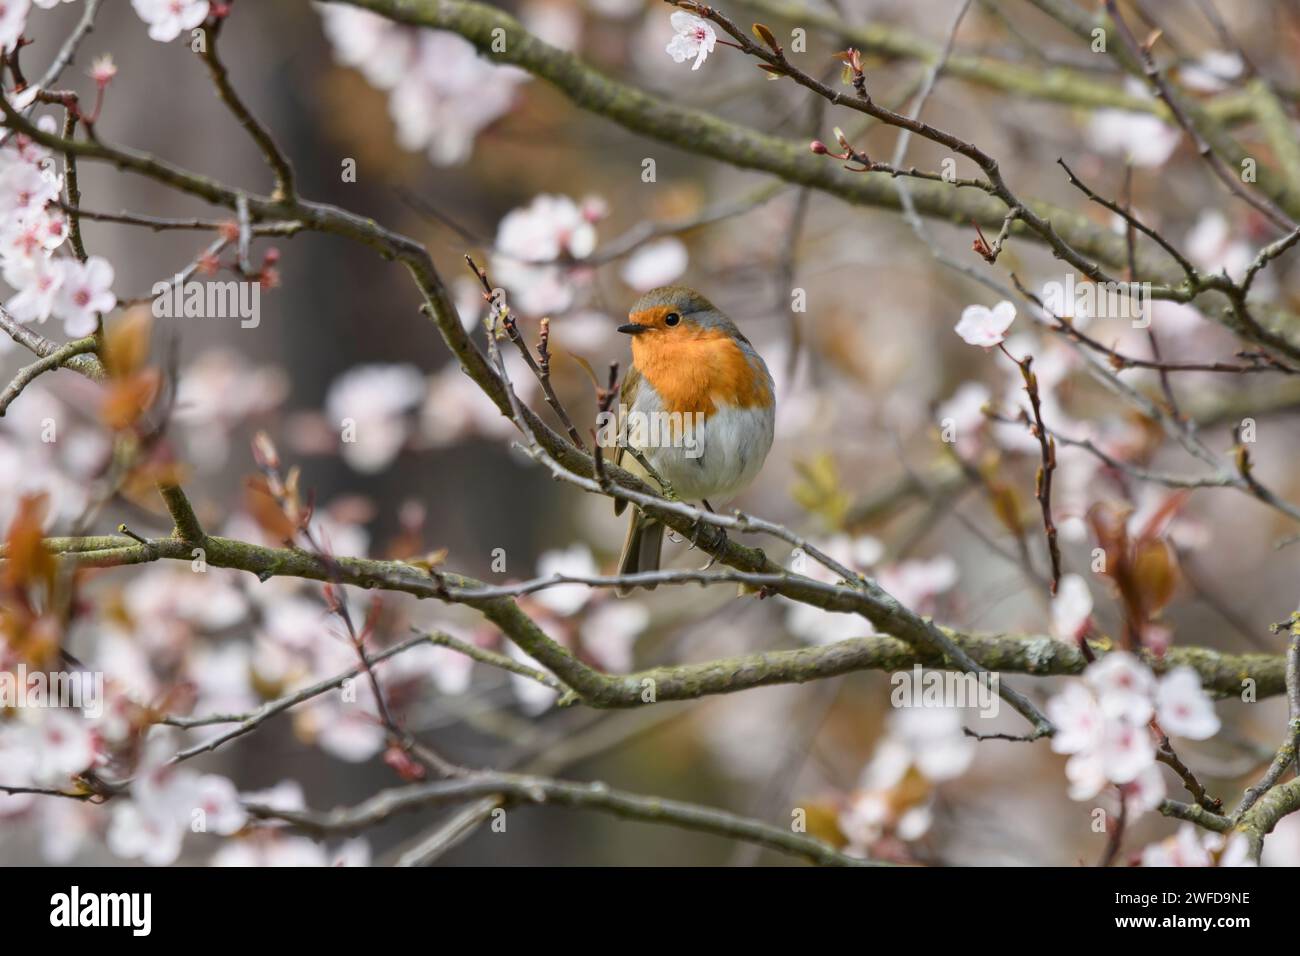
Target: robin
x,y
697,403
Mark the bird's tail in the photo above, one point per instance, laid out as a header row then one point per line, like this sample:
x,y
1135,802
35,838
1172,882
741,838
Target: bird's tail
x,y
645,538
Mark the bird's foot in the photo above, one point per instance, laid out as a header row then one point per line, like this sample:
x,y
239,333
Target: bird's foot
x,y
695,540
713,559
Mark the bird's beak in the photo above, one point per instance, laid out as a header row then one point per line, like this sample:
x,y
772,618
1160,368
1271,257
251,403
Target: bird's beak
x,y
632,328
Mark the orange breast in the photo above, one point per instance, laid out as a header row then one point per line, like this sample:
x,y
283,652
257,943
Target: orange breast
x,y
692,371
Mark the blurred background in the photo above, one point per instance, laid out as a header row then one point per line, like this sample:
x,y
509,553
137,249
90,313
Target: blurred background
x,y
468,157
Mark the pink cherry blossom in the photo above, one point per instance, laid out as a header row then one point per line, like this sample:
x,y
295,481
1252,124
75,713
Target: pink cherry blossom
x,y
655,264
1071,609
66,826
166,801
25,189
1103,721
442,93
217,392
817,625
1145,792
555,21
574,561
1214,245
1185,848
38,281
446,669
26,149
863,820
381,49
346,729
33,235
986,327
103,69
217,797
272,849
695,38
618,9
1077,717
609,633
964,413
528,240
455,408
887,803
1142,138
167,19
934,739
286,795
1125,751
18,757
86,292
1086,774
919,582
137,832
1190,847
1106,746
535,698
448,96
64,746
1183,709
1282,848
1212,72
369,404
1123,685
182,603
13,18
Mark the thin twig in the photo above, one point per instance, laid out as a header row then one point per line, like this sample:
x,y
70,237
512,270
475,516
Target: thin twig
x,y
517,789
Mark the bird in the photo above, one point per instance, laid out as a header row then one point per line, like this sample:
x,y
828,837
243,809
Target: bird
x,y
699,405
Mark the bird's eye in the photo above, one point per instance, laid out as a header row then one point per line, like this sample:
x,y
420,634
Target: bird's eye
x,y
671,319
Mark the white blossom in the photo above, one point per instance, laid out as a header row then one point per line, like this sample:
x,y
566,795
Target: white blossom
x,y
1103,722
574,561
1212,72
38,281
694,39
1182,707
86,291
369,405
655,264
964,412
442,94
986,327
13,18
167,19
1142,138
1071,608
529,242
64,746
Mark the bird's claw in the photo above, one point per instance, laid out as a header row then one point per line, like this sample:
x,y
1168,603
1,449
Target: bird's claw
x,y
695,540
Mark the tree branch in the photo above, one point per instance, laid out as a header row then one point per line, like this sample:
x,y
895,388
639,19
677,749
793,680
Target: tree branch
x,y
520,789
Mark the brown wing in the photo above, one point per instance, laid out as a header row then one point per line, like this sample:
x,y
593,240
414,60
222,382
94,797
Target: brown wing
x,y
626,397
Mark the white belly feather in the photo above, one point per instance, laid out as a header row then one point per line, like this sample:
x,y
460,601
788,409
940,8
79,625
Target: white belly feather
x,y
713,458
